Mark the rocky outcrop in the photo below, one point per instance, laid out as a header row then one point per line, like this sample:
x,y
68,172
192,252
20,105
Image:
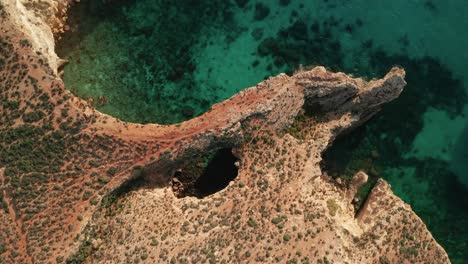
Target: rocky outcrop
x,y
62,162
39,21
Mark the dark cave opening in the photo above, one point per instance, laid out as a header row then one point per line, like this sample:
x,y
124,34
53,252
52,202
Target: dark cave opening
x,y
219,172
206,174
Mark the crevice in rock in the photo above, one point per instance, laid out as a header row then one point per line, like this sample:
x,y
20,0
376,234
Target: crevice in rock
x,y
362,195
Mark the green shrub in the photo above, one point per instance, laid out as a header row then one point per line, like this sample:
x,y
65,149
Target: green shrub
x,y
252,223
34,116
87,194
333,207
111,171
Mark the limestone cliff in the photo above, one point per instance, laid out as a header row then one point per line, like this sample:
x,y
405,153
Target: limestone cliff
x,y
79,185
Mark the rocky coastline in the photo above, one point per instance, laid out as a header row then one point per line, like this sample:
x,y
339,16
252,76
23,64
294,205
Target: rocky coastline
x,y
81,186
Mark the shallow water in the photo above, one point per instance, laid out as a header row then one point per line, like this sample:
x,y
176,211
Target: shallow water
x,y
167,61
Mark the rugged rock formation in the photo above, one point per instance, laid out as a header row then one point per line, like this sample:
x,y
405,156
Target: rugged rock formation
x,y
39,21
78,185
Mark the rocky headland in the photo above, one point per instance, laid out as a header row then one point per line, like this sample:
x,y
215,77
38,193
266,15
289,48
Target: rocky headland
x,y
80,186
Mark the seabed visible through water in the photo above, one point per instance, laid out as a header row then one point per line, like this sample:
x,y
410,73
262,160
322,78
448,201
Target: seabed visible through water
x,y
168,61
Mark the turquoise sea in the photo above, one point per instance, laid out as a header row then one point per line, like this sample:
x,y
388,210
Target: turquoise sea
x,y
166,61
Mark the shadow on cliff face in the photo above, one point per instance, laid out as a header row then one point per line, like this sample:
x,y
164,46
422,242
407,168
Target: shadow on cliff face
x,y
391,133
198,175
382,144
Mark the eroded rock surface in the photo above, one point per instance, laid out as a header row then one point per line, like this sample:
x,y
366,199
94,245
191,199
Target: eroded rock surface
x,y
61,161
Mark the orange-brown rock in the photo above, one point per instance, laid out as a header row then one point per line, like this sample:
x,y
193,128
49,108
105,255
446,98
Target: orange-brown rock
x,y
62,163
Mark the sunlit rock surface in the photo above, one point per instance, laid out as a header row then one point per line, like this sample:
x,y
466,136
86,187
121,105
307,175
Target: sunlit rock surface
x,y
78,185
